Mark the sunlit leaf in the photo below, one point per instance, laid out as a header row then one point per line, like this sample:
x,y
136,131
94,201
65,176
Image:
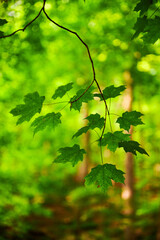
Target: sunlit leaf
x,y
62,90
33,105
70,154
111,92
49,120
133,147
130,118
102,175
113,139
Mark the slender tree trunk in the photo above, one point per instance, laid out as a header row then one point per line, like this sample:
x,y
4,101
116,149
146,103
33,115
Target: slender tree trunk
x,y
128,189
85,142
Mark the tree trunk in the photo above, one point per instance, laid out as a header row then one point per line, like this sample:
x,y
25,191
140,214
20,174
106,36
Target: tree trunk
x,y
128,189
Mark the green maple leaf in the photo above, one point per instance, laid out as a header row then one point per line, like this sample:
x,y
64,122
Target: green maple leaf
x,y
152,33
102,175
111,92
33,105
70,154
3,21
95,121
132,146
88,96
130,118
113,139
81,131
143,6
61,91
140,26
49,120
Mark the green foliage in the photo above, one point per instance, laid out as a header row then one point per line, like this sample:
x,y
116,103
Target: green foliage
x,y
1,33
147,26
102,175
139,26
151,31
82,97
130,118
70,154
113,139
143,6
95,121
132,146
111,92
49,120
62,90
33,105
3,21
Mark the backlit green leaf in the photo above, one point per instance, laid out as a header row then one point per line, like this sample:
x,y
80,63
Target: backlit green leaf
x,y
113,139
33,105
130,118
132,146
70,154
111,92
49,120
102,175
62,90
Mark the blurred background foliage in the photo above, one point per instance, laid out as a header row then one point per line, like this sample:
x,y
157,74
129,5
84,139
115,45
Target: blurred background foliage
x,y
41,200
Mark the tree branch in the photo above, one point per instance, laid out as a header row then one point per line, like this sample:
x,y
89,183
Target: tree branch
x,y
89,55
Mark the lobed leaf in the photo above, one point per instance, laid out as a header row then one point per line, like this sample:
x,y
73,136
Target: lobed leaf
x,y
33,105
130,118
95,121
70,154
111,92
133,147
49,120
102,175
62,90
88,96
113,139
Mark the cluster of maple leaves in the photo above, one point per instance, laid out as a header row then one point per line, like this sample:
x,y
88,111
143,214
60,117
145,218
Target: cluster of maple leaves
x,y
101,174
148,28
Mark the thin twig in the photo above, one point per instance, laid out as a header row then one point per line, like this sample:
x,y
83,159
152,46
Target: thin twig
x,y
22,29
